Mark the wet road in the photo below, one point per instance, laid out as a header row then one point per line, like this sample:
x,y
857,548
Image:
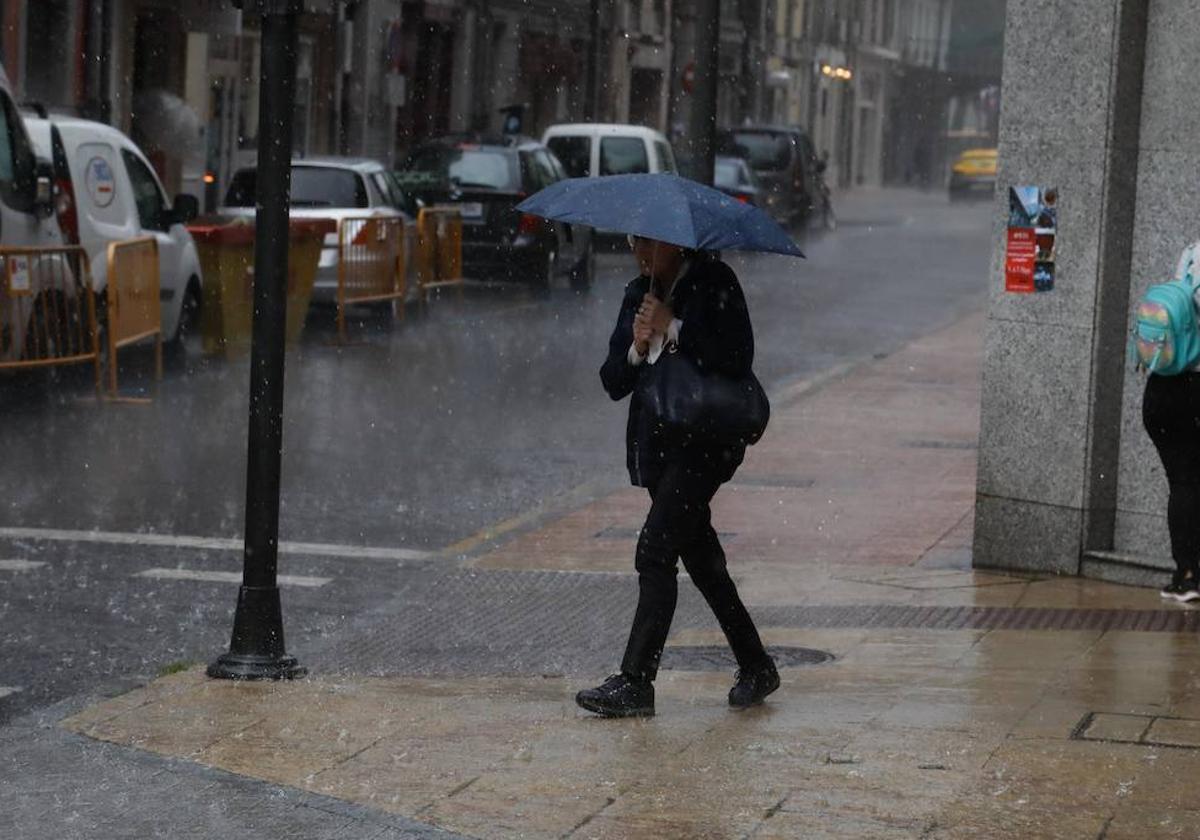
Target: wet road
x,y
467,415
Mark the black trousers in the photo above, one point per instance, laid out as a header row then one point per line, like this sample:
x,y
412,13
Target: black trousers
x,y
1171,414
679,526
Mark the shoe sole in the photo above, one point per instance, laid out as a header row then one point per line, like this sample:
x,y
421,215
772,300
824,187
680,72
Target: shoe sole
x,y
1187,597
757,701
596,709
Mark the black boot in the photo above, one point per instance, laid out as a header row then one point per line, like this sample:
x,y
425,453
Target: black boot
x,y
753,684
619,696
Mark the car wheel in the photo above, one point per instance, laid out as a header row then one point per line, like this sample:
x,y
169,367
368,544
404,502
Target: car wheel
x,y
54,328
187,331
828,217
584,271
543,276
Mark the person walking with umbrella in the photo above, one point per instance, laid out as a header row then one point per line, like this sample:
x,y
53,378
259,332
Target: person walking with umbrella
x,y
685,302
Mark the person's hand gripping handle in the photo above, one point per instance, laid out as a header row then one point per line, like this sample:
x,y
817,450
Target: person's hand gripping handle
x,y
653,318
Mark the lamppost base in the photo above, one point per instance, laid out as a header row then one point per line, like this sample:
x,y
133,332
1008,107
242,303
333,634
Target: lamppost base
x,y
242,666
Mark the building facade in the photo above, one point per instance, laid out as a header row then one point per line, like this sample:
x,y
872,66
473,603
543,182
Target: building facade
x,y
882,86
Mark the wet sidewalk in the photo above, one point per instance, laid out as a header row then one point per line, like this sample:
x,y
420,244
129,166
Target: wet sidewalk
x,y
951,703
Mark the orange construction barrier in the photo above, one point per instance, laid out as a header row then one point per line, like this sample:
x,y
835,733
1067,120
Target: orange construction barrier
x,y
47,309
439,249
370,263
226,251
134,311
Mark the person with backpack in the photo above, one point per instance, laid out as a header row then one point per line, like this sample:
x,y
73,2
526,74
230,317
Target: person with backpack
x,y
1167,346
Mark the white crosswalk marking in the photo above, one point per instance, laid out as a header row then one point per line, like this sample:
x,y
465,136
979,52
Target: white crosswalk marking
x,y
228,577
354,552
6,690
19,565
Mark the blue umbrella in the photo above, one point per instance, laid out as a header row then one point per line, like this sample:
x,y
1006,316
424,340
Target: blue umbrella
x,y
664,207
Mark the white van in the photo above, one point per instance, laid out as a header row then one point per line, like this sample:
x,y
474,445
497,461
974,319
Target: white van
x,y
107,191
590,149
26,214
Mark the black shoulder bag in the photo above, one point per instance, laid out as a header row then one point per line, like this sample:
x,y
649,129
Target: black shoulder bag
x,y
683,401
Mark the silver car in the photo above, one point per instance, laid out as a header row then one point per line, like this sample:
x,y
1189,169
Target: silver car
x,y
333,188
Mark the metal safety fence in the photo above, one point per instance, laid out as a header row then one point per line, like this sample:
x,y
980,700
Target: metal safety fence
x,y
370,264
439,249
134,311
47,309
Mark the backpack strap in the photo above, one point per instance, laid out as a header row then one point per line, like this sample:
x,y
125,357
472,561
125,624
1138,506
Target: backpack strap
x,y
1190,257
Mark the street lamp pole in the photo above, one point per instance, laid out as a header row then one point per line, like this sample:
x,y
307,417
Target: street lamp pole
x,y
702,126
591,107
256,651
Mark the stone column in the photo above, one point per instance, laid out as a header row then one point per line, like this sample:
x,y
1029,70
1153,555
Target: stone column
x,y
1054,362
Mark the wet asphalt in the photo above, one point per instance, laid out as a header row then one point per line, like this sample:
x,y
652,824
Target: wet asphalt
x,y
423,434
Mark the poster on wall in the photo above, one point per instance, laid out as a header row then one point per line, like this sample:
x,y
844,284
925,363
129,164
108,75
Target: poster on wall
x,y
1032,227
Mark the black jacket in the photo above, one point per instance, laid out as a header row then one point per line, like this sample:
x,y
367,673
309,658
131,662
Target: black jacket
x,y
716,335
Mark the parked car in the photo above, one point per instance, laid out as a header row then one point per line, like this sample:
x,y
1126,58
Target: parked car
x,y
785,163
589,149
485,178
27,218
974,174
733,176
107,191
334,188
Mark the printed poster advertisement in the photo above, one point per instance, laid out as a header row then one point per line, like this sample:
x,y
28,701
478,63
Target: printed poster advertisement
x,y
1032,227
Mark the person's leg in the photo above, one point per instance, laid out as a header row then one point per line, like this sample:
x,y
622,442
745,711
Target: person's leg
x,y
1183,522
1171,414
704,559
630,693
679,507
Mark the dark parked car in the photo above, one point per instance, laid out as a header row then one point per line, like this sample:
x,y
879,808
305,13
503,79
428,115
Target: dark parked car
x,y
485,179
733,176
785,163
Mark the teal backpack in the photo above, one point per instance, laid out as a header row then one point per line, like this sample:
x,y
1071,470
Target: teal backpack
x,y
1166,336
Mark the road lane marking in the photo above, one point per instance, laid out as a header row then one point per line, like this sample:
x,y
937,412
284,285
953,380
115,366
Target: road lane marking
x,y
570,500
19,565
6,690
358,552
229,577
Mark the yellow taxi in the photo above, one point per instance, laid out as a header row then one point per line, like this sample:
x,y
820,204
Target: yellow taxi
x,y
973,174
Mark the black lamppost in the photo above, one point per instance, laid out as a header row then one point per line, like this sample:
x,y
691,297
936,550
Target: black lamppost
x,y
256,651
702,126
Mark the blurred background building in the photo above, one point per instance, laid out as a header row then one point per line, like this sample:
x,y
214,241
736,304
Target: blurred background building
x,y
890,90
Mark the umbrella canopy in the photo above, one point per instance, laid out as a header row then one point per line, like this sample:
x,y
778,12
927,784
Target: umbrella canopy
x,y
664,207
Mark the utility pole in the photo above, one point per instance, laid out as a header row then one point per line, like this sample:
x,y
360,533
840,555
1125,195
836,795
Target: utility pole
x,y
702,128
99,31
591,108
256,651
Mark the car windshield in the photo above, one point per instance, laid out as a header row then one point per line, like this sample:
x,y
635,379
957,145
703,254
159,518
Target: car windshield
x,y
765,150
312,186
727,173
485,169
